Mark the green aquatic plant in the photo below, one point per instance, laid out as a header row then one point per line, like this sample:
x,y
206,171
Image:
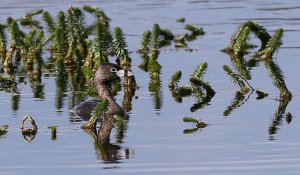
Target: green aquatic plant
x,y
238,79
2,44
27,19
175,80
239,43
96,115
98,13
238,101
277,76
3,131
279,115
60,43
120,48
199,125
7,83
261,94
272,45
49,22
146,39
198,88
53,132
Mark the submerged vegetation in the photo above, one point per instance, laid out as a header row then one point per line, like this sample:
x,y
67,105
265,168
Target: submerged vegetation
x,y
75,49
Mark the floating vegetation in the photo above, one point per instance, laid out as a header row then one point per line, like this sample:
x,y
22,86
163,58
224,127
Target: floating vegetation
x,y
194,33
245,87
96,115
7,83
199,125
53,132
198,88
239,46
261,94
3,131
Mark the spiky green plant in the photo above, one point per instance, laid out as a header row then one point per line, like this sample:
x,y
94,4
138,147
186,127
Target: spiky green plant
x,y
2,43
236,78
195,30
76,36
272,45
97,113
60,42
101,16
120,48
15,39
260,32
146,39
200,70
175,80
199,123
120,123
236,102
49,21
3,130
27,19
156,37
277,76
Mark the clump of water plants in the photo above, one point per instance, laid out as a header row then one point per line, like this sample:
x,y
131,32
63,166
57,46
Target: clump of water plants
x,y
198,88
199,125
96,115
239,47
3,131
53,132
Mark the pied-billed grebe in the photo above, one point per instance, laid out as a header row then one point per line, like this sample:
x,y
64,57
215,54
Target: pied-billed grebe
x,y
104,75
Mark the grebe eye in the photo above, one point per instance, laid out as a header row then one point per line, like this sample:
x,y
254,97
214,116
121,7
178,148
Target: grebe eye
x,y
114,70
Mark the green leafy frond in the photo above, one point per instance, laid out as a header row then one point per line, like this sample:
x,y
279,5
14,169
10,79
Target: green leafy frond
x,y
190,119
14,32
236,78
175,80
120,47
185,91
236,102
49,21
99,47
2,43
96,114
102,17
277,76
144,46
260,32
60,36
195,30
156,37
200,70
272,45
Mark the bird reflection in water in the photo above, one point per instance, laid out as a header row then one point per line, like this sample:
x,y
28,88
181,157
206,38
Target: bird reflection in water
x,y
114,116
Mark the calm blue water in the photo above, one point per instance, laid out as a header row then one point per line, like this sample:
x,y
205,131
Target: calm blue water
x,y
154,142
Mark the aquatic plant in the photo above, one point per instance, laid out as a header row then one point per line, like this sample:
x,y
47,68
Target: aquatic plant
x,y
27,19
199,125
120,49
198,88
146,39
238,79
96,115
272,45
269,45
53,132
3,131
